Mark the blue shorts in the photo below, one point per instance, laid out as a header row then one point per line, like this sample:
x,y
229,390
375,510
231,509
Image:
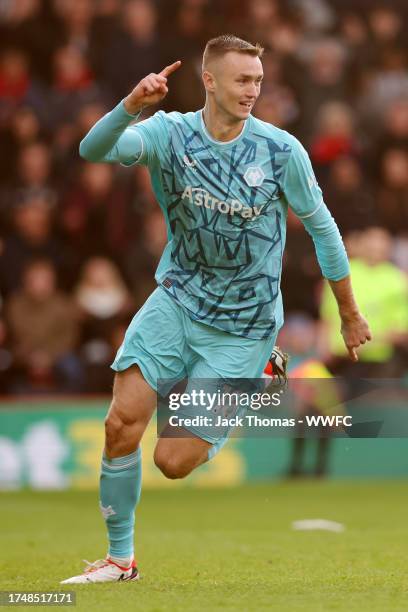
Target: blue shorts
x,y
167,344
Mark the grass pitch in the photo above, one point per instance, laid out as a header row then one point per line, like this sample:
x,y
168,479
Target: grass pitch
x,y
230,549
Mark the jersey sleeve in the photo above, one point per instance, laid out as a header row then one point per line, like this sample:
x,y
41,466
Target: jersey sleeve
x,y
305,197
300,185
113,138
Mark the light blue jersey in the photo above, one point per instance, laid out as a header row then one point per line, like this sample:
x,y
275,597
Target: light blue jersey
x,y
225,205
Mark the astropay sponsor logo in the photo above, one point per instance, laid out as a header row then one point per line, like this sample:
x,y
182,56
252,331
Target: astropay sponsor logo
x,y
201,197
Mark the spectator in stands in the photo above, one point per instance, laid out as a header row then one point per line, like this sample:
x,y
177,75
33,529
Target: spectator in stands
x,y
260,16
134,48
75,21
106,307
95,215
44,327
325,80
186,40
14,81
104,27
386,28
24,127
301,271
285,40
101,292
32,27
73,84
349,195
393,191
334,137
22,130
354,33
88,115
278,103
384,85
66,139
34,169
317,15
394,131
31,237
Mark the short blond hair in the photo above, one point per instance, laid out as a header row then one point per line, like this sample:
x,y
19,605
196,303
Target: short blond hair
x,y
217,47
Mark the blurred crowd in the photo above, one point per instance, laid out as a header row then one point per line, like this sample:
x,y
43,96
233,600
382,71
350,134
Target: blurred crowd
x,y
79,242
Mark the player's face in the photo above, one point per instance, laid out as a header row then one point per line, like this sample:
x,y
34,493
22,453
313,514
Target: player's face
x,y
237,83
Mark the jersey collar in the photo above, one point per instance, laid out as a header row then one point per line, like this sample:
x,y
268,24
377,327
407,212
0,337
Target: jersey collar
x,y
221,143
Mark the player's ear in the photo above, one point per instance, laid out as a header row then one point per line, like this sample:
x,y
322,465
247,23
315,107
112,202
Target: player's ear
x,y
209,81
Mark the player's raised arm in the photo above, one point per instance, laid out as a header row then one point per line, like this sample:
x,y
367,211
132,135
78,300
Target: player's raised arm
x,y
111,139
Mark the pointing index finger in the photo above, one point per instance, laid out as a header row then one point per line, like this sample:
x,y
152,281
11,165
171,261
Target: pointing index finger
x,y
169,69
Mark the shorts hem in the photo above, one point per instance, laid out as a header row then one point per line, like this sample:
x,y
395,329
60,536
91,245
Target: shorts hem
x,y
142,368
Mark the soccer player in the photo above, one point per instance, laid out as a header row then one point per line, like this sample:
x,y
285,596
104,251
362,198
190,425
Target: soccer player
x,y
224,181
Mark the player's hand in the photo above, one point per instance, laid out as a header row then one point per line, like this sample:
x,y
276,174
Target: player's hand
x,y
150,90
355,332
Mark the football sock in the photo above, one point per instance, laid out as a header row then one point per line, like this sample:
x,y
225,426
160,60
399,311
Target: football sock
x,y
215,448
120,486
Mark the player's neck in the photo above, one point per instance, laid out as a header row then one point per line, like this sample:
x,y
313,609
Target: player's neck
x,y
219,127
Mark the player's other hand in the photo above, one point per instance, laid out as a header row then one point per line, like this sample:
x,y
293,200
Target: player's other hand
x,y
150,90
355,331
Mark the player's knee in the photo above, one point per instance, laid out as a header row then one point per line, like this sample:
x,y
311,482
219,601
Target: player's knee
x,y
172,467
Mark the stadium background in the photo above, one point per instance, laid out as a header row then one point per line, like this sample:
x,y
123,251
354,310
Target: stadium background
x,y
79,242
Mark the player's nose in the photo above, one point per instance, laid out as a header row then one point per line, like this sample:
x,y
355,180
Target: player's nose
x,y
252,92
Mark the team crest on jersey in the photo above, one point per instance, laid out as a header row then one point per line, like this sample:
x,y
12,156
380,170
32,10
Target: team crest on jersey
x,y
254,176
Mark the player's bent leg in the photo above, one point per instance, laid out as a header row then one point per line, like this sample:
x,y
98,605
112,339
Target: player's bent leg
x,y
133,404
177,457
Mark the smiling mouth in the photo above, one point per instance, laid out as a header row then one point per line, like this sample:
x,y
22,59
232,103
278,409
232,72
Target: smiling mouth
x,y
247,105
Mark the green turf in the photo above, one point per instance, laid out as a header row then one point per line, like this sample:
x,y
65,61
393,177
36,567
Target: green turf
x,y
221,549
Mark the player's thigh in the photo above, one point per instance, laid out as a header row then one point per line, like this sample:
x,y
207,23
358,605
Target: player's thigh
x,y
223,364
191,433
223,357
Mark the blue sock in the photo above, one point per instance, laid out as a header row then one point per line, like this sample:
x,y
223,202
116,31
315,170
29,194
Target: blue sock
x,y
215,448
120,486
